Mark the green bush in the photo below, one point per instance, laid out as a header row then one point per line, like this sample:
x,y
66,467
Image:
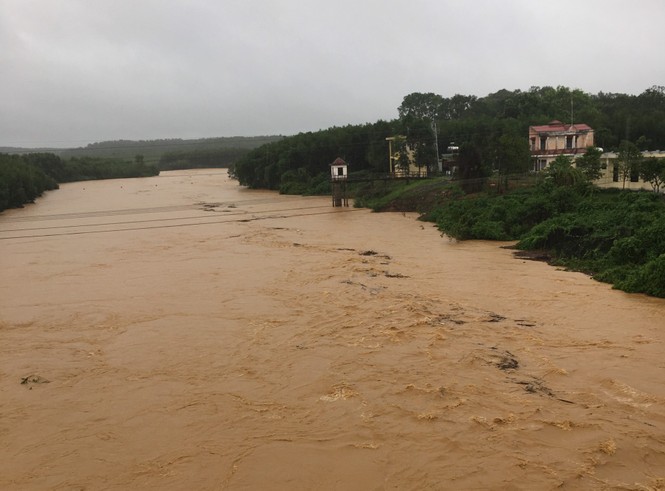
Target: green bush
x,y
618,236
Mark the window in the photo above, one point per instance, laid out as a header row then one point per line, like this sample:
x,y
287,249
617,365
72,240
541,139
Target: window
x,y
543,143
533,143
340,171
569,141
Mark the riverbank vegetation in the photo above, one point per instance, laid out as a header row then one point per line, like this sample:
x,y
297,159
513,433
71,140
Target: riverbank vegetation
x,y
614,235
23,178
21,182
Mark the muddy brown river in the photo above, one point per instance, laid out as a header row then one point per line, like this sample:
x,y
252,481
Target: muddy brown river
x,y
182,333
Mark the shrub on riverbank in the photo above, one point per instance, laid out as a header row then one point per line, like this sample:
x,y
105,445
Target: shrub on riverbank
x,y
617,236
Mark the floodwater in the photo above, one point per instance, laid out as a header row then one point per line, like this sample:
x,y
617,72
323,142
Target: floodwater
x,y
180,333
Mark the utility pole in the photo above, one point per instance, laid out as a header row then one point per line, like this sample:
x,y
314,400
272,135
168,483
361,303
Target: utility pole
x,y
390,154
436,145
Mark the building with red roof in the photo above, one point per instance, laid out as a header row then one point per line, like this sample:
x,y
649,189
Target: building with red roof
x,y
549,141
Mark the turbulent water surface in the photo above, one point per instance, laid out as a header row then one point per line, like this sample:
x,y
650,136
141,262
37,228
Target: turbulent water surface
x,y
179,332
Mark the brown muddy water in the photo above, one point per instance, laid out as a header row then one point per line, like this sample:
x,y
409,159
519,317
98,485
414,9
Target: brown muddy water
x,y
181,333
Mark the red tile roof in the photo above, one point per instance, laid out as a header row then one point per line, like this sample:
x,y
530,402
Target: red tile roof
x,y
558,126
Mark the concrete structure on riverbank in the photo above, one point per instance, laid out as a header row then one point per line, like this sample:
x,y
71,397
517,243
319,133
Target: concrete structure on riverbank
x,y
339,174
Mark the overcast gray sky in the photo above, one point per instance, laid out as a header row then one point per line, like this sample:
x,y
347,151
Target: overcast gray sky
x,y
78,71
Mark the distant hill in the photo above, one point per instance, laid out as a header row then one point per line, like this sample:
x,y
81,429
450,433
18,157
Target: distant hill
x,y
151,150
22,151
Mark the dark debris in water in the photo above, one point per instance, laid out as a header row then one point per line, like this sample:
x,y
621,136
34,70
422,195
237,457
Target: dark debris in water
x,y
394,275
34,379
508,362
374,253
495,317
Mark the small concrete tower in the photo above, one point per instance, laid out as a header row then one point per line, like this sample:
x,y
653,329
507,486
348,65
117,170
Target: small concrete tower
x,y
339,172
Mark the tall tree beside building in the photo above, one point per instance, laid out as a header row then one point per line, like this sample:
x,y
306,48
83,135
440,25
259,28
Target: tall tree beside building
x,y
652,170
512,156
628,160
421,106
562,172
472,172
589,163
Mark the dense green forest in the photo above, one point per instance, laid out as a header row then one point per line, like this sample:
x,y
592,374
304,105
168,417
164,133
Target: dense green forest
x,y
154,150
23,178
21,182
201,158
304,159
490,131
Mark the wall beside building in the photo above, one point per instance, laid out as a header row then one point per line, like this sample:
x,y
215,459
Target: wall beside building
x,y
611,177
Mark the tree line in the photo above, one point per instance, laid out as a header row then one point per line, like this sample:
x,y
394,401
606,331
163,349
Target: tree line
x,y
216,157
490,133
23,178
154,150
21,182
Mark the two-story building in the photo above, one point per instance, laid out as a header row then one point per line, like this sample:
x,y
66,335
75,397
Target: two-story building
x,y
549,141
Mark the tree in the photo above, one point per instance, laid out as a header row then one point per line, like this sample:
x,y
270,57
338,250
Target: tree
x,y
512,156
652,170
562,172
49,163
420,141
457,106
421,106
401,155
471,171
628,160
589,163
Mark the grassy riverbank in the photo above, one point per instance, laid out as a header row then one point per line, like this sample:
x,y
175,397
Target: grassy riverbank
x,y
616,236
